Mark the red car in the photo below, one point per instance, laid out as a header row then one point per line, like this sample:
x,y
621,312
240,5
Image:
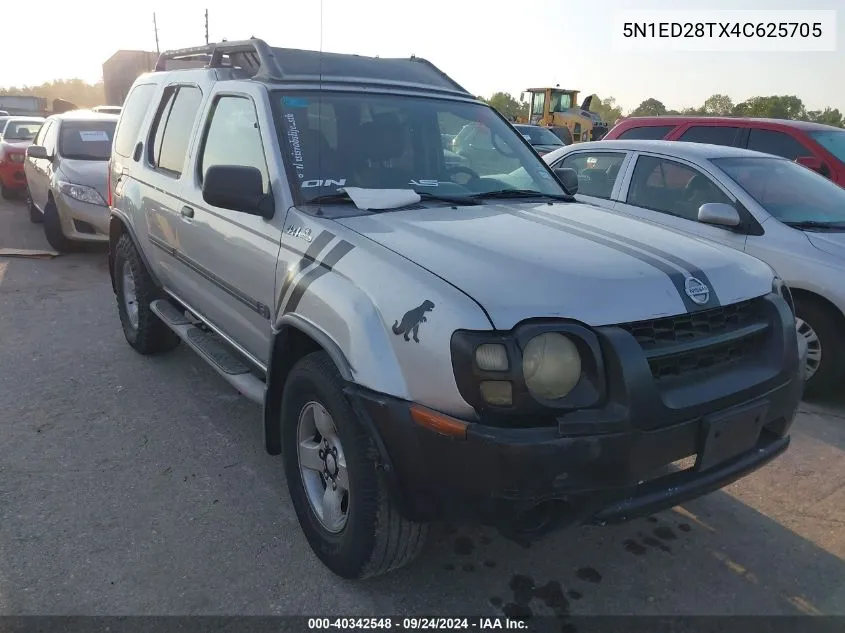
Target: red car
x,y
15,137
819,147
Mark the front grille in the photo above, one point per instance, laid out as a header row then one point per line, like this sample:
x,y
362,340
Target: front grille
x,y
706,340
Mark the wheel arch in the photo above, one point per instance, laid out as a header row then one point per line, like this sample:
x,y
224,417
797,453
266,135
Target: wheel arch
x,y
118,226
809,295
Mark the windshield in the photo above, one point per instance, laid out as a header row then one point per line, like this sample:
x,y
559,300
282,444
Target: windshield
x,y
561,102
17,130
789,192
833,141
538,135
336,140
86,140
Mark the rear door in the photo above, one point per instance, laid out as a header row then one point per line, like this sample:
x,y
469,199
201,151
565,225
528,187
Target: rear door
x,y
34,170
232,255
161,193
669,191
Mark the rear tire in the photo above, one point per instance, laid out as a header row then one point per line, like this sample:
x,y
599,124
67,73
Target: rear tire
x,y
372,538
135,290
53,229
5,192
825,346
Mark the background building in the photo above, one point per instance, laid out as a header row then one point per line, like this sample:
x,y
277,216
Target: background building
x,y
23,105
121,69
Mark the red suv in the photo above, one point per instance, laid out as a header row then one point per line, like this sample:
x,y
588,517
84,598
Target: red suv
x,y
819,147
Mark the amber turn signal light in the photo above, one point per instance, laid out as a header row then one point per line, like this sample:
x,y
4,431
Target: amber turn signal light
x,y
439,423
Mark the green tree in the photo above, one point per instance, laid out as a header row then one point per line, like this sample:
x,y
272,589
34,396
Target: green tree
x,y
718,105
606,108
774,107
649,107
507,106
828,116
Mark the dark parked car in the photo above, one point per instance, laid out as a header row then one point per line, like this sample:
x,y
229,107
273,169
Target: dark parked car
x,y
542,139
819,147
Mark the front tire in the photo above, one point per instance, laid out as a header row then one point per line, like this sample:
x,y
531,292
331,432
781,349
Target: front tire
x,y
53,229
340,497
135,290
820,327
5,192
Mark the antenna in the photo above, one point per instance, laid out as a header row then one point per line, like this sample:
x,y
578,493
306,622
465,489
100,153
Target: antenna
x,y
155,28
206,26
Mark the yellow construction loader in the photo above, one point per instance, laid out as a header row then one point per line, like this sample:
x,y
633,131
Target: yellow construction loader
x,y
556,109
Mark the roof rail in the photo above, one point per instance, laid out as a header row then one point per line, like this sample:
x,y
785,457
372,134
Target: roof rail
x,y
253,55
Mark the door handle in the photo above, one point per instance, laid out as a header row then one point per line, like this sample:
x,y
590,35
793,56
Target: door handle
x,y
187,212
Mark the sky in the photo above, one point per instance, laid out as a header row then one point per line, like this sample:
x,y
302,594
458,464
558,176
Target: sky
x,y
486,46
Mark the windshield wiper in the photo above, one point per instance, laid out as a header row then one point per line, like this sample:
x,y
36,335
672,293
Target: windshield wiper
x,y
521,193
814,224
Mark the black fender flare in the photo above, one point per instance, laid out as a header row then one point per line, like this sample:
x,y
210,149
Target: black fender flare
x,y
276,373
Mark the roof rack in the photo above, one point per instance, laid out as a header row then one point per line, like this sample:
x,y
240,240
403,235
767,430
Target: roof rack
x,y
264,63
253,56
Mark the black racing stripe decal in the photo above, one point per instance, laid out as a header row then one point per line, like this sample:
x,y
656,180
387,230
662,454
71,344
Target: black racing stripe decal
x,y
675,275
228,288
307,258
325,265
693,270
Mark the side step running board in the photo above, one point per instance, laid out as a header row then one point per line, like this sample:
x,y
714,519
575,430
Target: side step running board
x,y
213,350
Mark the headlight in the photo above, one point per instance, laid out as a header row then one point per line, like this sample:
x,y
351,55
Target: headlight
x,y
82,193
16,158
780,287
551,365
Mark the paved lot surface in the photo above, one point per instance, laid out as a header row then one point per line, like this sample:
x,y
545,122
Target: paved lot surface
x,y
133,485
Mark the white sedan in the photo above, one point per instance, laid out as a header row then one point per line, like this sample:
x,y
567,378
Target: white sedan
x,y
776,210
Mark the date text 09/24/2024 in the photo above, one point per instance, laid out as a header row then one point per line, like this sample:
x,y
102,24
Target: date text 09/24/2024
x,y
416,624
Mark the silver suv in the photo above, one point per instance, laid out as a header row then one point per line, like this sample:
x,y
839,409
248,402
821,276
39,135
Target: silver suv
x,y
428,339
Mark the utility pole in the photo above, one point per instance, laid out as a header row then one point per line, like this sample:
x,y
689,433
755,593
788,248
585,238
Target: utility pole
x,y
206,26
155,27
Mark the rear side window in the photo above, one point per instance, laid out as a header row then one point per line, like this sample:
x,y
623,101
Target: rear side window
x,y
172,128
131,118
647,132
777,143
713,134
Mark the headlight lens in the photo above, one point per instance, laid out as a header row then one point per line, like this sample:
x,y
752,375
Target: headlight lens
x,y
82,193
551,365
491,357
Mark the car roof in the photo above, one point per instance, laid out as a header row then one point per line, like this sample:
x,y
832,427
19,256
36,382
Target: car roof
x,y
681,149
84,115
254,59
674,120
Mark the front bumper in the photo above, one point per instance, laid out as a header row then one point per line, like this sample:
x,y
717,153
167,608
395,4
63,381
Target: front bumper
x,y
609,464
82,221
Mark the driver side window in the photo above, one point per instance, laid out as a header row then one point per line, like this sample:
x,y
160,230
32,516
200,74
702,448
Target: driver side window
x,y
672,188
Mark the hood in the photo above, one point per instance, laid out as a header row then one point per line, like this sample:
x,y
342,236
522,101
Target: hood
x,y
565,260
828,242
92,173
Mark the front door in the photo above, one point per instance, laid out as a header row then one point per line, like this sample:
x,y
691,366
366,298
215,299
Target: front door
x,y
669,192
233,254
39,170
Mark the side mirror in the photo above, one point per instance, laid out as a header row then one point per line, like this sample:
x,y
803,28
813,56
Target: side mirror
x,y
37,151
568,178
812,162
238,188
719,214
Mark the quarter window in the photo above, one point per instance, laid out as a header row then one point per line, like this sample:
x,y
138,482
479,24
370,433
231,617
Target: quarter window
x,y
597,171
672,188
